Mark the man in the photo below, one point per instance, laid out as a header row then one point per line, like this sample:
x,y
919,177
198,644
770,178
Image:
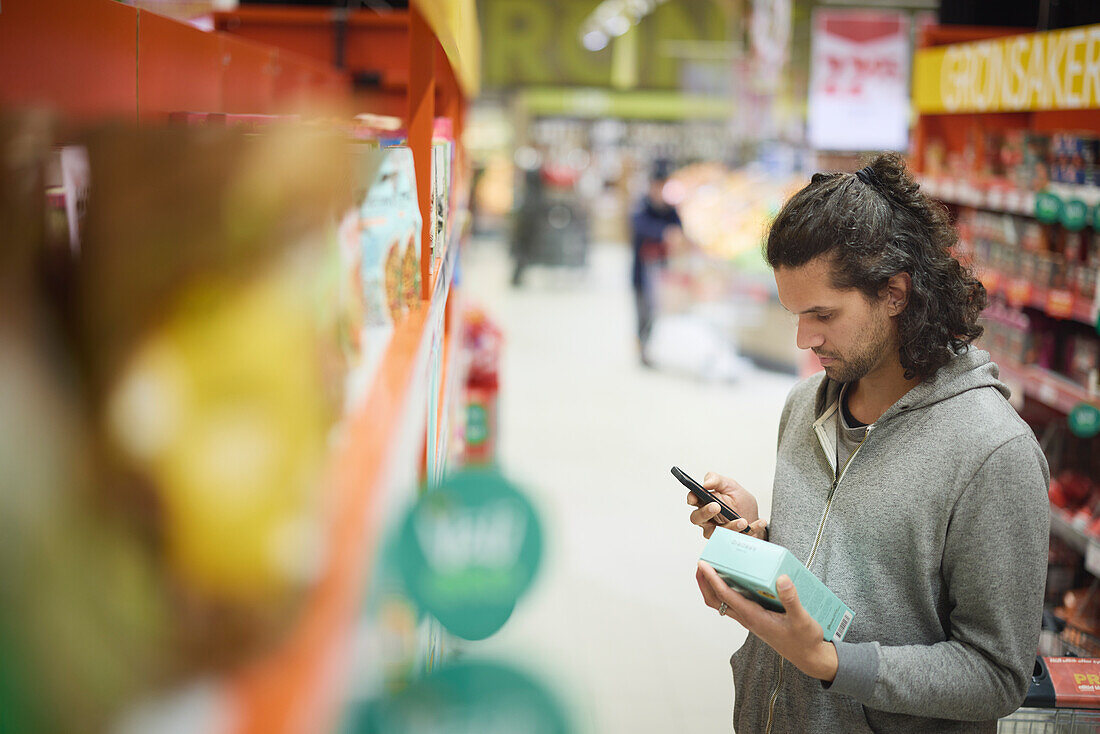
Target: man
x,y
656,226
904,480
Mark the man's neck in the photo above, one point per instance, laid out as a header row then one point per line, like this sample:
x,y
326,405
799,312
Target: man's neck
x,y
874,393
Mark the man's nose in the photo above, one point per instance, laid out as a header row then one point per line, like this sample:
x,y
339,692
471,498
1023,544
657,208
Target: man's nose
x,y
807,336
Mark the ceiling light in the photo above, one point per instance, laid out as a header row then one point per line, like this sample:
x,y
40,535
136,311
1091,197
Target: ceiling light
x,y
617,25
595,40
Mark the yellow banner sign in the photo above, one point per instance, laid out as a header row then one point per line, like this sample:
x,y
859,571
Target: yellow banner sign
x,y
1058,70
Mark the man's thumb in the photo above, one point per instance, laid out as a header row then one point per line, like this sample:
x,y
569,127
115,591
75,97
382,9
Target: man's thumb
x,y
787,593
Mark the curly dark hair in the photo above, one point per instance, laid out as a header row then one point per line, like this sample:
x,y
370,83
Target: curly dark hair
x,y
877,224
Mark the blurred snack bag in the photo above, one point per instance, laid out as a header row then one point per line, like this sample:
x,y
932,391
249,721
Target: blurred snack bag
x,y
166,417
202,337
83,619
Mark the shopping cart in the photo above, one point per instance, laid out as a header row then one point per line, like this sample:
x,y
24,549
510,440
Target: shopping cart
x,y
1064,698
1050,721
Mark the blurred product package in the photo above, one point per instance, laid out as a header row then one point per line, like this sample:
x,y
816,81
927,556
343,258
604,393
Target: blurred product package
x,y
173,392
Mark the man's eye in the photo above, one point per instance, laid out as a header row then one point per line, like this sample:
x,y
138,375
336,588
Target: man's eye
x,y
824,317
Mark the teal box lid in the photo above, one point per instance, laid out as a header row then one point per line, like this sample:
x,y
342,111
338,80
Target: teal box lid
x,y
752,566
746,557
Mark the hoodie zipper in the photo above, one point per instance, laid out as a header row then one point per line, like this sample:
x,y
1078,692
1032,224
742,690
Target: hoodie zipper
x,y
813,552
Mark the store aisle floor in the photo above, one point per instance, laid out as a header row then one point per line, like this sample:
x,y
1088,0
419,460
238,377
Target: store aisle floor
x,y
615,620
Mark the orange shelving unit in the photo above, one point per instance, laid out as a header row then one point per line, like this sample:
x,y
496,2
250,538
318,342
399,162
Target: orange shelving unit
x,y
96,59
977,73
91,60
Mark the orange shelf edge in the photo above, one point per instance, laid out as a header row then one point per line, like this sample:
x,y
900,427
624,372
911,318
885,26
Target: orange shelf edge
x,y
297,686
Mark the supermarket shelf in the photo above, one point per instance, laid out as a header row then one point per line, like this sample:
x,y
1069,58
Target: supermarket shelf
x,y
1047,387
441,280
454,23
1062,527
994,197
998,196
1056,303
137,63
298,681
1085,543
301,680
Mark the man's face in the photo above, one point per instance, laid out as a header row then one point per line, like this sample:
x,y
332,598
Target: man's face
x,y
851,336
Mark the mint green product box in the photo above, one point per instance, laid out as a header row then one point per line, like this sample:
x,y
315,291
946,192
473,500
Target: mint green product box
x,y
751,566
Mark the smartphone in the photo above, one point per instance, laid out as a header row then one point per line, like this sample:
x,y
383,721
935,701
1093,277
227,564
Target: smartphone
x,y
726,514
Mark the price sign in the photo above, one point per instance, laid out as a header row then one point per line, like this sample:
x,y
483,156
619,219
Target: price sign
x,y
468,696
1060,304
1048,207
468,550
1084,420
1075,215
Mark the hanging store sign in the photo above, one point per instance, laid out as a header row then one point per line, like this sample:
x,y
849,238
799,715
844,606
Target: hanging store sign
x,y
859,98
1057,70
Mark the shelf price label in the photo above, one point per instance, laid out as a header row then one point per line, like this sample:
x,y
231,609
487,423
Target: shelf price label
x,y
468,550
1048,207
1060,304
467,696
1084,420
1075,215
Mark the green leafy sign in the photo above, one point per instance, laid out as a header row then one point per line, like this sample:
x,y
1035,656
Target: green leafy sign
x,y
464,698
1048,207
468,550
1075,215
1084,420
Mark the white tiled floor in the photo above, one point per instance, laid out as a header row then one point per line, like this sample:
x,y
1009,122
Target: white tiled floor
x,y
615,621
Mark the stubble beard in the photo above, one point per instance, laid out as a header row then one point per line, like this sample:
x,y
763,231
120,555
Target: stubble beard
x,y
860,364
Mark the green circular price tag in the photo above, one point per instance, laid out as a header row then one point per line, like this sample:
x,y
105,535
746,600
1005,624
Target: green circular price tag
x,y
1084,420
466,698
468,550
1094,216
1048,207
1075,215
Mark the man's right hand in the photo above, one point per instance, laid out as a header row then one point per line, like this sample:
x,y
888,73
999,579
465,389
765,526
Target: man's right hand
x,y
734,495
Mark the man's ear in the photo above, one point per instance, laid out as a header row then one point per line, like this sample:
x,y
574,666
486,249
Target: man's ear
x,y
896,293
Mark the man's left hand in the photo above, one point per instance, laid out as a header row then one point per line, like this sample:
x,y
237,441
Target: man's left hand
x,y
795,635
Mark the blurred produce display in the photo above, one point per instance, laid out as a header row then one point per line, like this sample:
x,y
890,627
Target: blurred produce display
x,y
727,212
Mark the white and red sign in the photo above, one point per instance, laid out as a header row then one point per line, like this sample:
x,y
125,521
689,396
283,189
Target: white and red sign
x,y
859,80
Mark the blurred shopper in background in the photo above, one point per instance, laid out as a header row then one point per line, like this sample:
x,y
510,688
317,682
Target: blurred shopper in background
x,y
655,229
529,222
904,479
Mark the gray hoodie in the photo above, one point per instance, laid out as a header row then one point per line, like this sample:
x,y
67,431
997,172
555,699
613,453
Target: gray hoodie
x,y
935,535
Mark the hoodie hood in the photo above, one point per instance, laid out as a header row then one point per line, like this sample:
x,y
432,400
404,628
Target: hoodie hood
x,y
969,370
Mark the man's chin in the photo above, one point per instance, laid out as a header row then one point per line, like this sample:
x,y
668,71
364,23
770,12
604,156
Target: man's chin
x,y
837,373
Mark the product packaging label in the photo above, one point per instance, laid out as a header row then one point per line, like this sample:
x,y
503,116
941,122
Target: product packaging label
x,y
751,567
